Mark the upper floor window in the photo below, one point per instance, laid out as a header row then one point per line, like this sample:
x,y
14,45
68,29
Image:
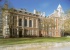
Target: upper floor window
x,y
20,22
25,22
30,23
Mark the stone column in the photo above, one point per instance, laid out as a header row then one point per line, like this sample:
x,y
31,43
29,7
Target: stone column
x,y
37,30
17,27
23,26
32,32
6,32
28,25
32,27
36,23
57,27
17,32
28,22
32,22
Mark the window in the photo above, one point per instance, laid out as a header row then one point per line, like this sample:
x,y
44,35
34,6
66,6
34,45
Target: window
x,y
30,32
25,22
30,23
25,12
20,22
13,20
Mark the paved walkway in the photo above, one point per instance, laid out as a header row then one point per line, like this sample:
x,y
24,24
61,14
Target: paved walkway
x,y
38,46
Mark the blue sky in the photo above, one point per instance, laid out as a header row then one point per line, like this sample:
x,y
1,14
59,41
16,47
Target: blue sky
x,y
47,6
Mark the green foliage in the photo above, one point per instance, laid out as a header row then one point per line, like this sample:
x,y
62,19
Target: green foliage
x,y
67,25
67,22
47,23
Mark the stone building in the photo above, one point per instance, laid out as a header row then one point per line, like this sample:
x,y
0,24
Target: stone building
x,y
59,17
21,23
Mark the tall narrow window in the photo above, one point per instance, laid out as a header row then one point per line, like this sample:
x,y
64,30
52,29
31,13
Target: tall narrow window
x,y
13,20
20,22
30,23
25,22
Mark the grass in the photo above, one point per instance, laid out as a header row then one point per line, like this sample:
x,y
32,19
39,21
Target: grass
x,y
13,41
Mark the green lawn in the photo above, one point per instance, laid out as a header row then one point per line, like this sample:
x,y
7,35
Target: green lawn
x,y
12,41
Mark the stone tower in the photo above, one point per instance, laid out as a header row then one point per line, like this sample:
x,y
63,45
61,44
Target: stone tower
x,y
58,16
5,13
60,10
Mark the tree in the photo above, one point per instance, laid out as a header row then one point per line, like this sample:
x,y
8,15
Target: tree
x,y
67,23
46,24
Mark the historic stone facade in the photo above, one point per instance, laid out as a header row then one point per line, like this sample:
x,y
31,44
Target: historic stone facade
x,y
21,23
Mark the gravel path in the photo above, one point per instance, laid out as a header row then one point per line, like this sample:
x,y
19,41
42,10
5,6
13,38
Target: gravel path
x,y
37,46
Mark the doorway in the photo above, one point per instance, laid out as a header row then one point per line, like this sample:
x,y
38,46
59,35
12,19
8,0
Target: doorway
x,y
20,33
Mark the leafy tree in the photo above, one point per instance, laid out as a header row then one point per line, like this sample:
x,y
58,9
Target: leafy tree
x,y
47,23
67,23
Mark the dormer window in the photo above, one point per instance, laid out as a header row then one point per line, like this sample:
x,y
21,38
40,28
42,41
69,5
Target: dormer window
x,y
20,11
29,13
15,10
25,12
